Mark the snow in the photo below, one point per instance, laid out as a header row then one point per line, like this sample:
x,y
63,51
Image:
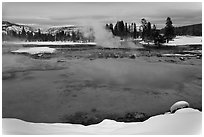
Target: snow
x,y
179,105
146,43
60,26
185,40
35,50
51,43
178,55
183,121
194,52
180,41
18,28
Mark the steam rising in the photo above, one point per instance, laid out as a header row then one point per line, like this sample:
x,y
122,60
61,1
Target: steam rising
x,y
103,37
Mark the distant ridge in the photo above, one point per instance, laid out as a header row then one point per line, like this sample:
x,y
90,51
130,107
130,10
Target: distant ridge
x,y
194,30
8,26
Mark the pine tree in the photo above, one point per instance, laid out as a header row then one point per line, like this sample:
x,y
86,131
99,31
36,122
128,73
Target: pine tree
x,y
73,36
115,30
23,33
39,35
149,30
144,28
126,30
169,29
135,32
111,28
29,36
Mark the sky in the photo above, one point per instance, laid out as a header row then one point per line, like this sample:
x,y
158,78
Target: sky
x,y
60,13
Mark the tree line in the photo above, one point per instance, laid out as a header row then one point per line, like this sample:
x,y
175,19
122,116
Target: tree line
x,y
146,30
39,36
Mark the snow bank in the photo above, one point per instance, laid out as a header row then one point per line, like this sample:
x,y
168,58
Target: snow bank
x,y
183,121
35,50
51,43
179,105
185,40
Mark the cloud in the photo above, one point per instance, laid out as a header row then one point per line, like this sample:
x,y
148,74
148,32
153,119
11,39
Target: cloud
x,y
70,13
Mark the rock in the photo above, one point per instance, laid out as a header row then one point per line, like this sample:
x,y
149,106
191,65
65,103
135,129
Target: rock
x,y
135,116
159,55
179,105
198,57
171,61
61,60
40,55
167,113
182,58
133,56
115,56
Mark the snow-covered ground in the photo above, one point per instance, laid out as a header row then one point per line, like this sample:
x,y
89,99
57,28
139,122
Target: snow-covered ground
x,y
146,43
35,50
183,121
178,55
51,43
180,41
185,40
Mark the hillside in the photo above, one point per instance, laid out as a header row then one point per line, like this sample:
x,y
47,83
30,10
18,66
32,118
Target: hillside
x,y
193,30
13,32
8,26
66,29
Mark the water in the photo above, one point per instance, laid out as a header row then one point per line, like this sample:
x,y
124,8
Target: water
x,y
44,90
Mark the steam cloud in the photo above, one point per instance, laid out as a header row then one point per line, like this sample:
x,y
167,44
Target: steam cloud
x,y
103,37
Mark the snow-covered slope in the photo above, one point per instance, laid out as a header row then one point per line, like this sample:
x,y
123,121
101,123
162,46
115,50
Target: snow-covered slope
x,y
183,121
57,29
7,26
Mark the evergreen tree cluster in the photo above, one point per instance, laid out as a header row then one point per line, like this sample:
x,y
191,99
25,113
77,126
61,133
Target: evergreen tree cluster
x,y
149,32
146,31
39,36
123,30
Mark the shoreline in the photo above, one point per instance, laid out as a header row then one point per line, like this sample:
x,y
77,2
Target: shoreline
x,y
160,124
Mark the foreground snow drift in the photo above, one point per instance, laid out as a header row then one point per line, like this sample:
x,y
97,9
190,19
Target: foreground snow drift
x,y
35,50
183,121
